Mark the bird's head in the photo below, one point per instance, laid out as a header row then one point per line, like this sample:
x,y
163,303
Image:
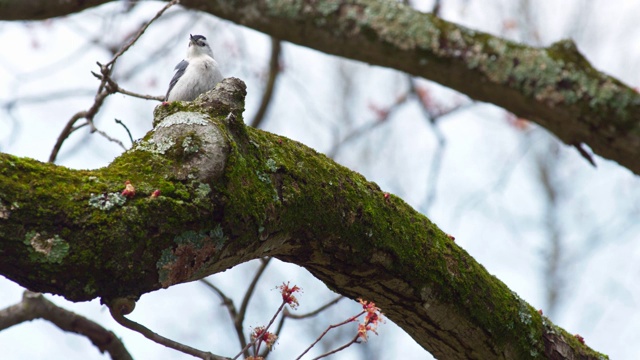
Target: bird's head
x,y
198,45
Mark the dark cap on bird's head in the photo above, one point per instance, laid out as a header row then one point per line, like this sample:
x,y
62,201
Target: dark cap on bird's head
x,y
195,38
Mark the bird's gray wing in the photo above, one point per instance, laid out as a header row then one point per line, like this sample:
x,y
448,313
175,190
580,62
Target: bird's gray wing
x,y
181,67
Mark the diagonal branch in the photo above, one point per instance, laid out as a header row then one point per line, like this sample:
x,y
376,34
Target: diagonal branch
x,y
274,71
35,306
122,306
245,194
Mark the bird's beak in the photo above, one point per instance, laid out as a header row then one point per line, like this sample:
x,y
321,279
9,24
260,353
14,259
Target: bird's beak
x,y
191,40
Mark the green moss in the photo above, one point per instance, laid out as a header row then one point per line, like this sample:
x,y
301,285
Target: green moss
x,y
327,202
90,222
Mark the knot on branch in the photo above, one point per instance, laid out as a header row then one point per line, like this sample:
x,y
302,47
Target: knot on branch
x,y
227,97
190,132
194,141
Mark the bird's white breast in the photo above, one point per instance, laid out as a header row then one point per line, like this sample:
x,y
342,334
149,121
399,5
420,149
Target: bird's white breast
x,y
202,74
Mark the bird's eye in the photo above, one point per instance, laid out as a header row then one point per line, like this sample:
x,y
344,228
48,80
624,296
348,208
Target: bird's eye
x,y
201,44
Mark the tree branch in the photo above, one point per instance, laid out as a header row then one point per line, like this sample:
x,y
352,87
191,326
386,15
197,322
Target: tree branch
x,y
43,9
274,71
118,311
35,306
231,193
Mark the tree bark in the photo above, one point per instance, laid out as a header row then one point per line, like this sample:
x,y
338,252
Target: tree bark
x,y
43,9
202,193
556,86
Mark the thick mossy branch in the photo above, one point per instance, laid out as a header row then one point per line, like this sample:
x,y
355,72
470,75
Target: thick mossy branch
x,y
202,193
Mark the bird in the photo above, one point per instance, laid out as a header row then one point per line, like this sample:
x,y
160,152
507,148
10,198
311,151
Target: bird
x,y
196,74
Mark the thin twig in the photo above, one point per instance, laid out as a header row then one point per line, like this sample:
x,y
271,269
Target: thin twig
x,y
250,290
314,312
239,319
263,331
78,127
126,128
233,313
64,134
136,95
116,313
353,341
238,316
287,314
68,129
349,320
159,53
140,32
107,87
106,136
225,299
433,114
274,71
115,88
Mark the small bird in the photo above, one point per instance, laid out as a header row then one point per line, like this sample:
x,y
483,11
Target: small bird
x,y
196,74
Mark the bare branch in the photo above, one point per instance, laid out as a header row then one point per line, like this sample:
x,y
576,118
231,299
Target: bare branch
x,y
250,291
288,314
433,113
140,32
106,136
233,313
136,95
36,306
329,328
120,306
43,9
64,134
225,299
119,122
353,341
107,87
315,312
273,318
274,70
238,316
